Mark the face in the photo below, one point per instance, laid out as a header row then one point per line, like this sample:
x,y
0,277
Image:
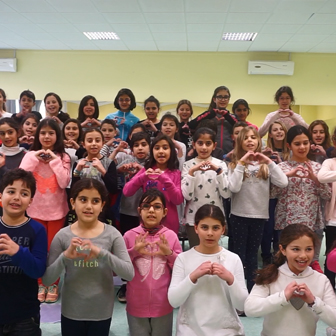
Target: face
x,y
151,110
109,132
88,205
204,146
284,101
236,132
250,141
47,138
124,103
300,147
169,128
299,254
209,231
152,213
15,199
71,131
135,130
8,135
318,135
2,101
277,132
140,149
26,104
52,105
29,127
89,108
222,99
241,112
184,112
161,153
93,143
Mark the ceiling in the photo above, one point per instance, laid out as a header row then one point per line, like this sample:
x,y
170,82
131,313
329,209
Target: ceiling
x,y
169,25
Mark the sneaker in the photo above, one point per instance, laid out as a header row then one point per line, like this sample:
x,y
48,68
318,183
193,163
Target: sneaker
x,y
52,294
42,291
316,266
331,331
121,294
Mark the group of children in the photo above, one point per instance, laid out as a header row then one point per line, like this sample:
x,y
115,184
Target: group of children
x,y
153,180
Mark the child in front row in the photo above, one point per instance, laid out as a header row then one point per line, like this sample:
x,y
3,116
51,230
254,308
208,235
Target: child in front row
x,y
23,254
208,282
290,294
153,249
89,252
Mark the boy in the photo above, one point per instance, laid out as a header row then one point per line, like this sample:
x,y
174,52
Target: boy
x,y
23,256
27,101
109,129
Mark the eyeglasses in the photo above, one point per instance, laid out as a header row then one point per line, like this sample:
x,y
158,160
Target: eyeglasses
x,y
222,97
127,100
147,206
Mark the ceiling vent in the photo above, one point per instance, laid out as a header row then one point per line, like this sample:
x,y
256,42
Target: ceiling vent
x,y
285,68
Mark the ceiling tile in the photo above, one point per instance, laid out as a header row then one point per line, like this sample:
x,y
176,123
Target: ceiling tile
x,y
5,29
52,45
24,44
73,6
211,37
141,45
289,18
23,6
177,28
98,27
202,46
208,6
4,8
12,18
324,48
205,28
178,37
242,27
279,29
128,28
322,19
82,45
36,36
205,17
317,29
247,18
155,6
110,45
50,18
304,6
5,46
329,7
234,46
58,28
297,46
135,36
28,28
272,37
252,6
266,46
124,18
172,45
80,18
70,37
164,17
308,38
117,6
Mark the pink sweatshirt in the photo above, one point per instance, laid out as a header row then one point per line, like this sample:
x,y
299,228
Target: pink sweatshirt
x,y
50,200
147,293
169,183
331,261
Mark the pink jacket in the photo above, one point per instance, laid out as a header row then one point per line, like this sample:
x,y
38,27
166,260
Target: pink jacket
x,y
331,261
147,293
169,183
50,200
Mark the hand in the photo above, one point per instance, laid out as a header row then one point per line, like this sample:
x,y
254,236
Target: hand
x,y
298,171
311,175
275,157
70,144
153,174
200,166
82,163
248,157
283,113
2,159
122,146
27,139
306,295
317,149
93,250
59,122
71,252
267,151
52,155
163,246
262,158
149,125
289,290
223,273
86,121
98,165
201,270
141,245
229,155
44,156
95,122
7,245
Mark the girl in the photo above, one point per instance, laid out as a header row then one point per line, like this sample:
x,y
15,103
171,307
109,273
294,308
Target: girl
x,y
95,165
160,172
236,128
241,110
3,113
88,113
319,132
204,180
169,127
152,123
50,166
208,282
29,126
89,252
284,98
10,152
125,103
153,249
72,134
250,176
53,105
290,295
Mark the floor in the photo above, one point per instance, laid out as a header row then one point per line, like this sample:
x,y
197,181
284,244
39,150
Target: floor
x,y
119,327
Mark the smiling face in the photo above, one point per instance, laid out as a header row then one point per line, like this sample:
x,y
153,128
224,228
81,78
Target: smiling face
x,y
277,132
299,254
89,108
161,154
29,127
71,131
204,146
152,213
87,205
300,147
250,142
169,128
108,131
47,138
184,112
222,99
52,106
241,112
284,101
318,135
26,104
93,143
8,135
151,111
124,103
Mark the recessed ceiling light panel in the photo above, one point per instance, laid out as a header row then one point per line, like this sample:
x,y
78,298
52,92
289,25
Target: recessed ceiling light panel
x,y
101,36
239,36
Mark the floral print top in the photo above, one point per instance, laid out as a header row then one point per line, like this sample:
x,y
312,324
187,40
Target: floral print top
x,y
300,201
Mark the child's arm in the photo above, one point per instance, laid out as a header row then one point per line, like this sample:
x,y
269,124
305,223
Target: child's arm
x,y
235,178
172,185
31,260
221,178
277,176
323,189
170,251
30,161
122,145
298,120
327,173
188,181
270,118
132,186
61,169
110,178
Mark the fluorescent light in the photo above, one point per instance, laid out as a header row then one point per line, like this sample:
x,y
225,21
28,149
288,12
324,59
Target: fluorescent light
x,y
239,36
101,36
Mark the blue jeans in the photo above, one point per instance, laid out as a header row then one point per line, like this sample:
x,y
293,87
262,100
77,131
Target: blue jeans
x,y
26,327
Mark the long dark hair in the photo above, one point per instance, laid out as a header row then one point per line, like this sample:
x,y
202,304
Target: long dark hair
x,y
77,122
212,104
126,92
292,232
210,211
81,115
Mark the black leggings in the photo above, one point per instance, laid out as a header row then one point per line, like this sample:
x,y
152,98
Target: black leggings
x,y
85,328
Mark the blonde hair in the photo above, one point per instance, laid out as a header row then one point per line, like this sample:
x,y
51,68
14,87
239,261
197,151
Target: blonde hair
x,y
270,143
239,152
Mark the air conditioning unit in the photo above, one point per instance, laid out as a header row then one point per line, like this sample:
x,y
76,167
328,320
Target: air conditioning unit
x,y
7,64
271,68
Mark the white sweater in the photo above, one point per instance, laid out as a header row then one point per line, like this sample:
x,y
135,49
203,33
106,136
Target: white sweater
x,y
281,318
208,307
205,187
